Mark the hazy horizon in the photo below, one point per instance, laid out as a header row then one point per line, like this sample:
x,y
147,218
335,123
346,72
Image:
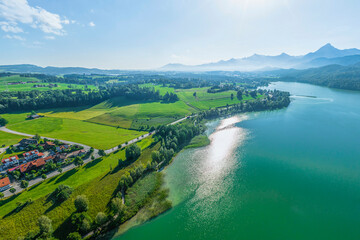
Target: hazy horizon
x,y
150,34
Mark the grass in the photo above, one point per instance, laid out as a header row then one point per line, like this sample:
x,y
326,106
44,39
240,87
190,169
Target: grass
x,y
7,139
95,135
95,180
199,141
148,113
4,86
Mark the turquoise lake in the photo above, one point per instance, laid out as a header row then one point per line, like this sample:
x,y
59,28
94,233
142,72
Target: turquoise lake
x,y
282,175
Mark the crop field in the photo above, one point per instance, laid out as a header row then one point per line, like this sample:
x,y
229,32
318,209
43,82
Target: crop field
x,y
96,180
7,139
95,135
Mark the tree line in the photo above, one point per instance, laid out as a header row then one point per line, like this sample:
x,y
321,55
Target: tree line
x,y
33,100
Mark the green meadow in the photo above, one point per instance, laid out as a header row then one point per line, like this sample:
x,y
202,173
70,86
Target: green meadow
x,y
4,86
97,180
7,139
117,120
94,135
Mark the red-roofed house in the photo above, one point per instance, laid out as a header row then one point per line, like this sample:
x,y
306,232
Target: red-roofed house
x,y
4,184
48,158
31,165
31,155
11,161
49,144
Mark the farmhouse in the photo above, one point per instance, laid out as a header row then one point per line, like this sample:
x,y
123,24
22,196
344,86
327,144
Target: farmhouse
x,y
4,184
33,116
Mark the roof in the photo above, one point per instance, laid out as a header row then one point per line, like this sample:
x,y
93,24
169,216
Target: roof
x,y
4,182
10,159
36,163
50,143
14,168
48,158
76,153
33,152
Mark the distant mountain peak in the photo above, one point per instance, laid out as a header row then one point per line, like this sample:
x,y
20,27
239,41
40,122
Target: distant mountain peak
x,y
328,45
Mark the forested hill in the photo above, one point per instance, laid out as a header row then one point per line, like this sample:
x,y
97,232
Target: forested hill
x,y
334,76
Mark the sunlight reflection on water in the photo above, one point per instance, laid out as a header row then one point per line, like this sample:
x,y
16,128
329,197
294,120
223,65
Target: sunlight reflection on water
x,y
215,168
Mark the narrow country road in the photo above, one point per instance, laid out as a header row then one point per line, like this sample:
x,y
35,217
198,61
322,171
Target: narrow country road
x,y
32,182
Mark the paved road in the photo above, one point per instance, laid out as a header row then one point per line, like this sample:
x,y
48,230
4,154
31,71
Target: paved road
x,y
16,185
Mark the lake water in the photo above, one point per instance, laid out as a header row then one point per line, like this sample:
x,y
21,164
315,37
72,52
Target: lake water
x,y
287,174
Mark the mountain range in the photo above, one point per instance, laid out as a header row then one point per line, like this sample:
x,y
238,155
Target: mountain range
x,y
326,55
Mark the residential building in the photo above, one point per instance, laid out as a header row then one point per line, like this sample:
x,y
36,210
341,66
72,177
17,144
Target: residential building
x,y
62,148
4,184
76,153
9,162
24,143
32,165
31,155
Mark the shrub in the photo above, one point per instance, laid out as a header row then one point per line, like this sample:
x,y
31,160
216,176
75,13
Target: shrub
x,y
45,225
81,203
24,184
100,219
62,192
132,152
74,236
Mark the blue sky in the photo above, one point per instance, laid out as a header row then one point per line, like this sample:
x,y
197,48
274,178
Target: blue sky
x,y
144,34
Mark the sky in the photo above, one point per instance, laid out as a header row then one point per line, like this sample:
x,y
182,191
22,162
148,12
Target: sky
x,y
147,34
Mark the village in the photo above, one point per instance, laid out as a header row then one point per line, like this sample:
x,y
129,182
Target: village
x,y
34,158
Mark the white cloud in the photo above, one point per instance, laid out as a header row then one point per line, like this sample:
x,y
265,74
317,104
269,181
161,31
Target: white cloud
x,y
19,11
6,27
15,37
91,24
49,37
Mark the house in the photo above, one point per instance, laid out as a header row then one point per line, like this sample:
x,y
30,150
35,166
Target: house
x,y
48,158
31,155
24,143
76,153
49,145
11,161
4,184
59,157
32,165
62,148
33,116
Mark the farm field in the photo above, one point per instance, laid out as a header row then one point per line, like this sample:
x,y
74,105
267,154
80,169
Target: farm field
x,y
203,99
112,122
96,180
95,135
152,114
